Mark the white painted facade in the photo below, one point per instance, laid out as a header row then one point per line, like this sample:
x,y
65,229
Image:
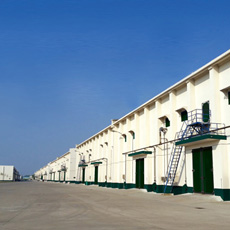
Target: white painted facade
x,y
143,134
9,173
61,170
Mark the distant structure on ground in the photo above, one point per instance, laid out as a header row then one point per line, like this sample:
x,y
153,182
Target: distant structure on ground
x,y
177,142
9,173
27,177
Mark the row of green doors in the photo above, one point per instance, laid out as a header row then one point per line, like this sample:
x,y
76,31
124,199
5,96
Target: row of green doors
x,y
203,170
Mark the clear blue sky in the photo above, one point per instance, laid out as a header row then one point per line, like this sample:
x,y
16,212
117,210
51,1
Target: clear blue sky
x,y
67,67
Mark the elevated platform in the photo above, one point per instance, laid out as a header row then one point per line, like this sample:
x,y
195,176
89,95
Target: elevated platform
x,y
200,139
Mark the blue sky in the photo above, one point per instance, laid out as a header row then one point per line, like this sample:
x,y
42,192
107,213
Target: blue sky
x,y
67,67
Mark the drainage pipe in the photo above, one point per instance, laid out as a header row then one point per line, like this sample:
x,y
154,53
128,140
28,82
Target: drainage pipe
x,y
125,167
154,163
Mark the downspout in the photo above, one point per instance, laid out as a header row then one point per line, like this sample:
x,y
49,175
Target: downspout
x,y
164,154
164,130
154,163
185,167
112,159
125,169
132,133
106,159
106,171
161,128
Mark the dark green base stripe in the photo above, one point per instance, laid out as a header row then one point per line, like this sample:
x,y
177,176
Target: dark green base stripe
x,y
129,186
223,193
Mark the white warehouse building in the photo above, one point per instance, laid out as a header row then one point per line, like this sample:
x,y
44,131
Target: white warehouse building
x,y
177,142
9,173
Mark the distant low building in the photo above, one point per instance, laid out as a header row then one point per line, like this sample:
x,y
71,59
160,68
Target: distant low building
x,y
9,173
27,177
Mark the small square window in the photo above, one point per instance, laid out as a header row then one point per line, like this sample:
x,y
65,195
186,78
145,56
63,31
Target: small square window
x,y
184,115
167,122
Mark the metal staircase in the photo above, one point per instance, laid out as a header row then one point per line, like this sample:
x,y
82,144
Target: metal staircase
x,y
172,167
198,123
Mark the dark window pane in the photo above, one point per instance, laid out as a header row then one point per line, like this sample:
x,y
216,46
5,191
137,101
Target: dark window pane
x,y
184,116
229,97
167,122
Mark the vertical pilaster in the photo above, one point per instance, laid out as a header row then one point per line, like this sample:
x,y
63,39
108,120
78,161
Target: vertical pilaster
x,y
147,127
146,143
159,159
191,95
172,115
136,130
214,94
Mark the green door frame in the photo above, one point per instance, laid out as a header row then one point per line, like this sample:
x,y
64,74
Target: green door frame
x,y
59,176
140,173
197,175
83,175
64,175
203,170
96,175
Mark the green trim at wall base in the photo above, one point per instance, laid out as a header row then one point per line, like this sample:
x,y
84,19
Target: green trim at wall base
x,y
89,183
160,189
223,193
115,185
180,190
112,185
102,184
71,181
189,189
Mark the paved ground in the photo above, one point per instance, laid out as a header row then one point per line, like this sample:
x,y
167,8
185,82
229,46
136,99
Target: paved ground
x,y
46,206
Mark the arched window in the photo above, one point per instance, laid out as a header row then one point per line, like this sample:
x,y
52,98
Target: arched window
x,y
125,137
132,133
205,112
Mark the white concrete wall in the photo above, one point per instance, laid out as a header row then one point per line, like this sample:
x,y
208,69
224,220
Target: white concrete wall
x,y
6,173
210,83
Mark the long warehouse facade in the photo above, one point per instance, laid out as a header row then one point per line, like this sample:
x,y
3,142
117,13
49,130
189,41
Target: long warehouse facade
x,y
177,142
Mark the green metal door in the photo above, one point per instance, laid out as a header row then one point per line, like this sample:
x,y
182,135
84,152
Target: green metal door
x,y
96,175
140,173
203,170
196,159
208,171
83,175
205,112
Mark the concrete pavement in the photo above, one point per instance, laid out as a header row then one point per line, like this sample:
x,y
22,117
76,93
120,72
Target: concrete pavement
x,y
46,205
